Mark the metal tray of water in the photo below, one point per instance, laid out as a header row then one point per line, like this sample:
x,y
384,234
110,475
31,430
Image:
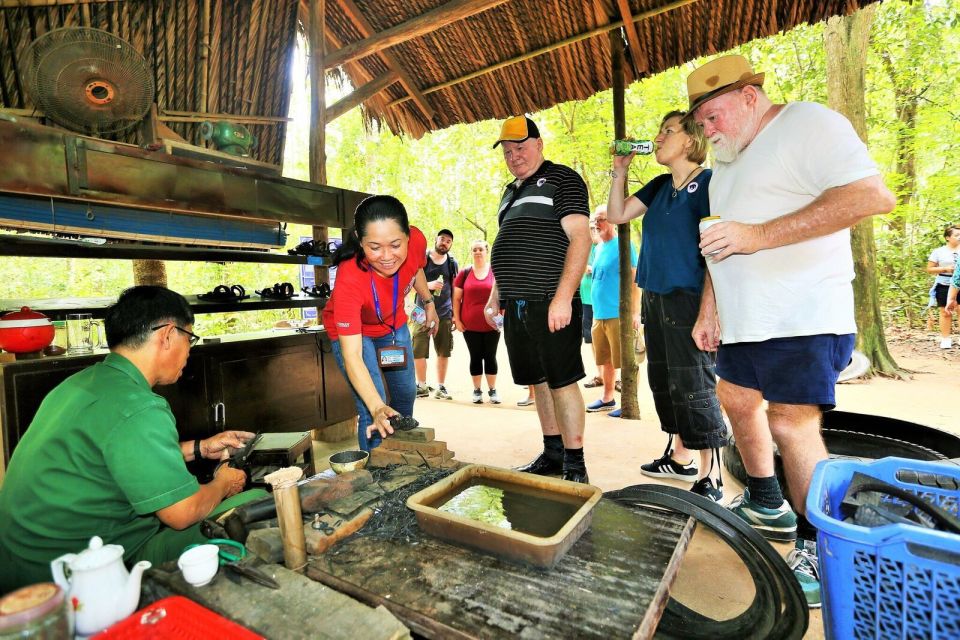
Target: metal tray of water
x,y
517,516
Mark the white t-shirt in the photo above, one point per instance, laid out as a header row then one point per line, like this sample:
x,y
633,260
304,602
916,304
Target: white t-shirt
x,y
799,289
944,257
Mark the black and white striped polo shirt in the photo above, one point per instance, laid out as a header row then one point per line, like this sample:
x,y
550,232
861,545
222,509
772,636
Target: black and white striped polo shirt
x,y
531,246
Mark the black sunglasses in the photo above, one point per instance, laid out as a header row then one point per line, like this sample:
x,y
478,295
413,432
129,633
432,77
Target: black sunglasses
x,y
194,338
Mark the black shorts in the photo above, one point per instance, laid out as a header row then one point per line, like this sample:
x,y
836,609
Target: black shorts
x,y
537,355
682,378
941,293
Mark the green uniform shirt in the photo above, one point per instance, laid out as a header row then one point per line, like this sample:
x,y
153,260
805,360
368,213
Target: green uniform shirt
x,y
100,457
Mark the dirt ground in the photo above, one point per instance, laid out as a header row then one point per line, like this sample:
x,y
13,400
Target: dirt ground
x,y
507,435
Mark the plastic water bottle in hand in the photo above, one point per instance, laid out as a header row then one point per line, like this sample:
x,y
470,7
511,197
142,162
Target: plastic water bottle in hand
x,y
628,145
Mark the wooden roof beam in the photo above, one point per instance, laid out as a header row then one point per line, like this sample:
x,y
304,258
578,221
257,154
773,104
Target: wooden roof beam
x,y
366,30
421,25
360,94
640,62
174,116
547,49
17,4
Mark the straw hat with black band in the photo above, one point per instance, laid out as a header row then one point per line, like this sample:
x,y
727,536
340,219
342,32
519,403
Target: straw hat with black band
x,y
717,77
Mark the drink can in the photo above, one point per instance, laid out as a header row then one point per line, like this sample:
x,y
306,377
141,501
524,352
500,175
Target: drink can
x,y
418,315
706,223
628,145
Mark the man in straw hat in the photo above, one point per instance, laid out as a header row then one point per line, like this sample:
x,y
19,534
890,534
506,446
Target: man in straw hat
x,y
789,181
538,258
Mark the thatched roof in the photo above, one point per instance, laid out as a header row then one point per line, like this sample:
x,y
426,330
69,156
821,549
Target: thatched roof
x,y
668,33
429,63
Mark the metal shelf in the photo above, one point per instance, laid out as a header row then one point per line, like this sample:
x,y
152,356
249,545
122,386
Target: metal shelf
x,y
12,245
58,308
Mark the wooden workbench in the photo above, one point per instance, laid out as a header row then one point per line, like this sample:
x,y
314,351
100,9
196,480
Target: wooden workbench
x,y
613,583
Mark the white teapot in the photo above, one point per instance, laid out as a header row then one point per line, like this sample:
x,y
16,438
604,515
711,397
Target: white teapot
x,y
99,588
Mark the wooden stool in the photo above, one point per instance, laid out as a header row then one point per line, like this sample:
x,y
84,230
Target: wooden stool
x,y
277,450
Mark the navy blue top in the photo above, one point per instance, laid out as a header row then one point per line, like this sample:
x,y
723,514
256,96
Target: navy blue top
x,y
669,249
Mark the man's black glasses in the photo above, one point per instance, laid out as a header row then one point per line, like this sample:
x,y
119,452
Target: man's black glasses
x,y
194,338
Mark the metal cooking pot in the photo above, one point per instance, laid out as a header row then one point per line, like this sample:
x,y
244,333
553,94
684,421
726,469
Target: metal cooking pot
x,y
25,331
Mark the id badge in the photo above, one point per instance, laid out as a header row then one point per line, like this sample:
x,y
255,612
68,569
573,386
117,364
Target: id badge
x,y
392,357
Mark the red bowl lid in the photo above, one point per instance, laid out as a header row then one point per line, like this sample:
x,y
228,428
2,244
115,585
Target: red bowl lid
x,y
26,317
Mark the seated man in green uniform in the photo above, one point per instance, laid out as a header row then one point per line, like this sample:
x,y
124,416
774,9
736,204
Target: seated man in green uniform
x,y
102,456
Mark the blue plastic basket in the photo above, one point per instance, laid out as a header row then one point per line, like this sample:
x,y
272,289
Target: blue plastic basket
x,y
894,581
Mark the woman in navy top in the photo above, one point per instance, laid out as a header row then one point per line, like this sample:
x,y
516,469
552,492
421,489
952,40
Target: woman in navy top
x,y
671,274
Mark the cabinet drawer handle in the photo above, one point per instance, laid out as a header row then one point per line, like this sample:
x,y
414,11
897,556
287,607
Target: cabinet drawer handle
x,y
219,413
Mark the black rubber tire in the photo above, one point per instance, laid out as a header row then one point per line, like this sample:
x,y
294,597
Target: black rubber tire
x,y
779,609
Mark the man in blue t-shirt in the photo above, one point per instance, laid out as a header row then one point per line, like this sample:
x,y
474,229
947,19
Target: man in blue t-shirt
x,y
605,295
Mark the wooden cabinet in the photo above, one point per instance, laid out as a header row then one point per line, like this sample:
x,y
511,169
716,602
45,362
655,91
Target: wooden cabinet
x,y
267,387
278,383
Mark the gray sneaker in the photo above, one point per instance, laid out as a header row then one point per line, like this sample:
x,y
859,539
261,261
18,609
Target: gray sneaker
x,y
477,396
494,398
442,394
423,391
806,567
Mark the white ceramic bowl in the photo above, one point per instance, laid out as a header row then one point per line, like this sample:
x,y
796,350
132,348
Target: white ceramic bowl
x,y
199,564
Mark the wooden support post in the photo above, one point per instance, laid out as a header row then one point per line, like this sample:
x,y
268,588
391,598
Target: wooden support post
x,y
628,369
289,516
318,118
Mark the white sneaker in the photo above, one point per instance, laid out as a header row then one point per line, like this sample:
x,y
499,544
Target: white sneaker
x,y
477,396
494,397
946,343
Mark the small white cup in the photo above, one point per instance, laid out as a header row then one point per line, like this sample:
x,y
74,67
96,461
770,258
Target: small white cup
x,y
199,564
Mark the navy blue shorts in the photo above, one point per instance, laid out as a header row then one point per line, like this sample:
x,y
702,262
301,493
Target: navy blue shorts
x,y
801,370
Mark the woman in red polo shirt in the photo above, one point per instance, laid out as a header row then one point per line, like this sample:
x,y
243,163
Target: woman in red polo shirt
x,y
381,259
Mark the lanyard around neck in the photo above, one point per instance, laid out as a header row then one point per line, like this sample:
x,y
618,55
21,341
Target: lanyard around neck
x,y
376,300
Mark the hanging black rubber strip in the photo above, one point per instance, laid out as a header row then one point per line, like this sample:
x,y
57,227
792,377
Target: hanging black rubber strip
x,y
779,609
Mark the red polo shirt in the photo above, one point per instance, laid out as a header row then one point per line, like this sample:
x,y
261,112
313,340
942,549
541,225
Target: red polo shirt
x,y
351,309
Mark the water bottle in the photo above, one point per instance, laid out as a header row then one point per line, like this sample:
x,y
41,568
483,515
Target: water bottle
x,y
628,145
437,292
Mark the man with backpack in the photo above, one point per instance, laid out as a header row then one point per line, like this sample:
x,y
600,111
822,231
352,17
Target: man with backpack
x,y
440,271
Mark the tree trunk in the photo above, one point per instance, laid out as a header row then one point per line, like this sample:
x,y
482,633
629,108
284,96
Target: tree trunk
x,y
845,40
628,370
150,272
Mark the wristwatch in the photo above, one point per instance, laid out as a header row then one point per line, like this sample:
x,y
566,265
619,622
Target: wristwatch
x,y
427,300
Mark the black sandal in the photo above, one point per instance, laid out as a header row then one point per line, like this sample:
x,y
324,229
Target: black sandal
x,y
278,291
222,293
314,248
317,291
